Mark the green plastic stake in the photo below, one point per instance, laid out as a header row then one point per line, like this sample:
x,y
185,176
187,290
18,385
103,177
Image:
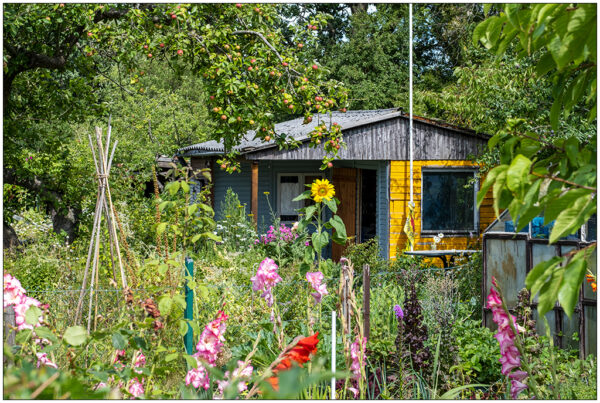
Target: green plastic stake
x,y
189,307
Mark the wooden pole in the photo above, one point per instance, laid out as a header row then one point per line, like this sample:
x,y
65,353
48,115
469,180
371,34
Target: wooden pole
x,y
366,300
254,201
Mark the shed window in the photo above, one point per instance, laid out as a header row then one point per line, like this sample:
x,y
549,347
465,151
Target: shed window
x,y
448,204
290,186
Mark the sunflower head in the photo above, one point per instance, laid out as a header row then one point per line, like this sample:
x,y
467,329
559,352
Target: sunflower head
x,y
322,189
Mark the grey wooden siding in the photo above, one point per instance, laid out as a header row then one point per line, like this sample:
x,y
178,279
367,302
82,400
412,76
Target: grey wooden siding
x,y
240,183
389,140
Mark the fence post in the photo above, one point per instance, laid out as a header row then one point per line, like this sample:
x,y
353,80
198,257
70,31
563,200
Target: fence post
x,y
189,306
366,300
333,353
9,325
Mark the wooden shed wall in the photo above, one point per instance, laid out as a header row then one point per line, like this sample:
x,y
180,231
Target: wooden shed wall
x,y
400,196
388,140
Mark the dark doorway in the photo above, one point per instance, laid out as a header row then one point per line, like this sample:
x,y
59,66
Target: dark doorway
x,y
368,205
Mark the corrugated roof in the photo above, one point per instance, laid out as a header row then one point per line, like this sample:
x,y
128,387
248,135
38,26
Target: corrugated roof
x,y
293,128
300,131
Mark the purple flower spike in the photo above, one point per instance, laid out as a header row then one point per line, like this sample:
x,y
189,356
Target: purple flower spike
x,y
398,311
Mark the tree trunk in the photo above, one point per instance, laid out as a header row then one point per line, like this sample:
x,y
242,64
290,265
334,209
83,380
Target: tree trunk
x,y
68,222
11,240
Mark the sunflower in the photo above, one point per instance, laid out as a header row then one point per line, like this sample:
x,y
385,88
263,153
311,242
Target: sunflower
x,y
322,189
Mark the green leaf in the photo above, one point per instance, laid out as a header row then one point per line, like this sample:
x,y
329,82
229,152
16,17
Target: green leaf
x,y
549,291
118,341
331,204
163,205
572,149
185,187
161,228
555,206
539,273
45,333
569,220
212,236
517,173
183,327
173,187
192,208
75,335
171,357
545,64
191,361
309,255
309,212
303,196
572,279
489,181
165,304
32,316
339,235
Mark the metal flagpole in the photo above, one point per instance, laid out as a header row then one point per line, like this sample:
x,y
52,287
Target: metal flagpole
x,y
410,101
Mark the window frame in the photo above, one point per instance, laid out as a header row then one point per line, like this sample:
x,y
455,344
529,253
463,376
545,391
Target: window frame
x,y
301,178
433,169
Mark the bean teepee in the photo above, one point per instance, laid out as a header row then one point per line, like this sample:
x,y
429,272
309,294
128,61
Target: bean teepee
x,y
104,207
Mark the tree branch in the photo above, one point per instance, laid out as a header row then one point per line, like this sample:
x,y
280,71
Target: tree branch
x,y
556,178
266,42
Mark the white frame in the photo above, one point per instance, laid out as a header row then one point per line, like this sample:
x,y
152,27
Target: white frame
x,y
301,177
433,169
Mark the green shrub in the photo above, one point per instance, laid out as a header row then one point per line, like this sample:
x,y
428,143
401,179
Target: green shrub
x,y
235,227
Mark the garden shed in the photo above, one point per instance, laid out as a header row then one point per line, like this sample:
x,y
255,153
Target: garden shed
x,y
509,256
371,177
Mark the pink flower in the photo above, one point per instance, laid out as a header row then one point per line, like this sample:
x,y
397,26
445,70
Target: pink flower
x,y
99,385
197,377
358,359
240,375
44,360
21,307
136,388
208,348
12,290
265,279
118,355
315,279
510,357
140,361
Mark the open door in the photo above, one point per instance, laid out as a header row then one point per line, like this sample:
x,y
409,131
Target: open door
x,y
344,180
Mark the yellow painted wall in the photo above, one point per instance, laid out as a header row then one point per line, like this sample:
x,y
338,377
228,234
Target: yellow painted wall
x,y
400,196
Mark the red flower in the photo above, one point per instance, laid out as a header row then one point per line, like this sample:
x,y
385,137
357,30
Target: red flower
x,y
300,353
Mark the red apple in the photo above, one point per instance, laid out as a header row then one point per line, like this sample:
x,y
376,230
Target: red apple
x,y
317,106
223,166
180,52
253,61
223,117
212,97
216,109
250,68
90,34
267,138
149,55
162,45
300,45
272,73
238,5
284,64
291,106
329,165
314,66
173,16
318,141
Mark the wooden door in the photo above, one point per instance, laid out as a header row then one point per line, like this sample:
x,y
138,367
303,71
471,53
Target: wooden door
x,y
344,180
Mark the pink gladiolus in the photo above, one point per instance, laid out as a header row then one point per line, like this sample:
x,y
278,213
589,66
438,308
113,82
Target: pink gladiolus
x,y
266,278
510,357
44,360
140,361
240,375
315,279
12,290
208,348
358,356
197,377
136,388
